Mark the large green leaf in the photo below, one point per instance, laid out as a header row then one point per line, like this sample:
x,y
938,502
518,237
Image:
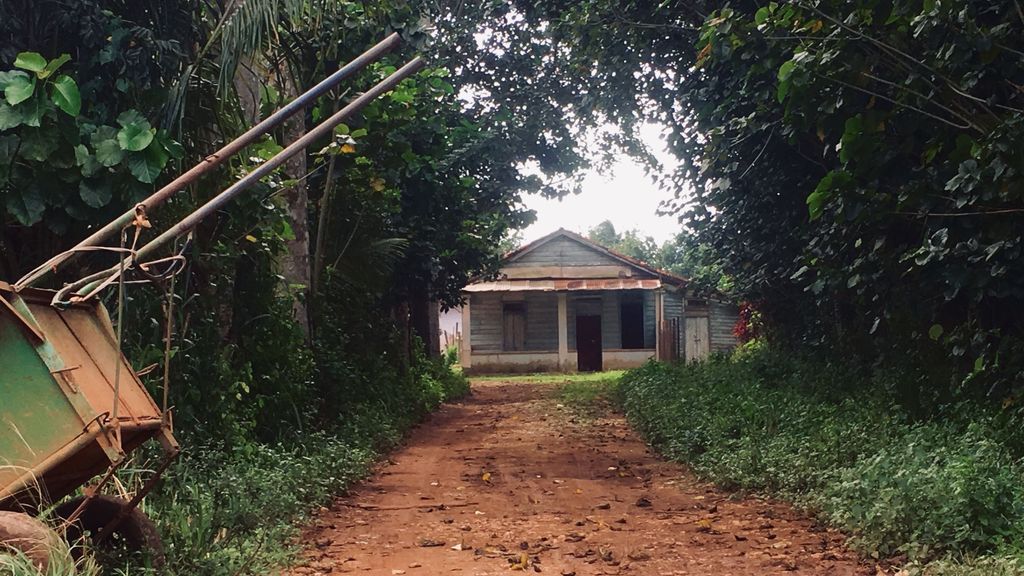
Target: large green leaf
x,y
95,193
135,136
109,153
53,66
10,117
26,205
173,148
38,144
66,96
31,61
784,75
86,161
147,165
8,148
104,142
33,111
7,75
20,87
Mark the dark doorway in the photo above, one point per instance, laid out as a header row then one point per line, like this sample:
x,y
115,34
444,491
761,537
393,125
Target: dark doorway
x,y
588,344
632,321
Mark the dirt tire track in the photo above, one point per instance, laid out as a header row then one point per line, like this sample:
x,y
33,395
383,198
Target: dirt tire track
x,y
534,487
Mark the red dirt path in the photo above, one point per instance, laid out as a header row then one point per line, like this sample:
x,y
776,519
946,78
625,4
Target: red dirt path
x,y
509,480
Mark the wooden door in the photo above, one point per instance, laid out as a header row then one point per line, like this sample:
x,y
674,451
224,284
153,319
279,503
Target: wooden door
x,y
514,327
698,338
588,344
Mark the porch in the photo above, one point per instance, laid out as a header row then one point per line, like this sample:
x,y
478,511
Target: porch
x,y
545,329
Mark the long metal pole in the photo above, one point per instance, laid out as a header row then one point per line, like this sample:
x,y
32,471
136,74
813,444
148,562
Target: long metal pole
x,y
89,284
217,158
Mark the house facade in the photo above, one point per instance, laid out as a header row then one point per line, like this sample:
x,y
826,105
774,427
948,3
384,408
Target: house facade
x,y
566,304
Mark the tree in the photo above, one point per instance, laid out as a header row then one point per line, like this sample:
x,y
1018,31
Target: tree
x,y
854,167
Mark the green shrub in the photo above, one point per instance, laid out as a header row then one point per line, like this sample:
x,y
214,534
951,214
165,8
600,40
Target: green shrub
x,y
827,436
231,507
233,512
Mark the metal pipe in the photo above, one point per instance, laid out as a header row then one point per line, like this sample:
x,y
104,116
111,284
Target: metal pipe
x,y
217,158
89,285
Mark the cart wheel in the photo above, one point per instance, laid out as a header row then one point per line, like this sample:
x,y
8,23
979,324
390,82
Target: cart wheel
x,y
29,536
136,531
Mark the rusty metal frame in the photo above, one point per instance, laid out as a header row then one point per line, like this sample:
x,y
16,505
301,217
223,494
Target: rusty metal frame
x,y
171,451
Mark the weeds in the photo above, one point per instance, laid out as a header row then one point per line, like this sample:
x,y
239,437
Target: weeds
x,y
589,396
232,511
61,562
823,436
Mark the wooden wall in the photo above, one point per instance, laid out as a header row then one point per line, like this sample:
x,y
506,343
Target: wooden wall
x,y
563,252
485,322
486,318
723,319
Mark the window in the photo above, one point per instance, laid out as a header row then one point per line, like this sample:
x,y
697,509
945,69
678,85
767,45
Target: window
x,y
632,321
514,326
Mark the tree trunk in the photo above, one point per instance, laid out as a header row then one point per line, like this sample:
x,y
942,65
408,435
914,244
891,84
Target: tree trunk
x,y
424,319
295,265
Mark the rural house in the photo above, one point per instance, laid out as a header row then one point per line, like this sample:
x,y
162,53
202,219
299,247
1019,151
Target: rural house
x,y
565,303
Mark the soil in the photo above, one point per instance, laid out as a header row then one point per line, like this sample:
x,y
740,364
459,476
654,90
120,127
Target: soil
x,y
510,480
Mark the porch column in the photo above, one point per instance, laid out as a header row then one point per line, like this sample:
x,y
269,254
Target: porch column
x,y
659,316
466,346
563,331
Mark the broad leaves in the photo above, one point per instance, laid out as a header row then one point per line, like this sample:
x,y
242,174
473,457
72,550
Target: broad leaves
x,y
135,133
18,87
66,96
41,111
26,205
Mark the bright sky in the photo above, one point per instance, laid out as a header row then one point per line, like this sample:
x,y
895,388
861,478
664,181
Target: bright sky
x,y
626,196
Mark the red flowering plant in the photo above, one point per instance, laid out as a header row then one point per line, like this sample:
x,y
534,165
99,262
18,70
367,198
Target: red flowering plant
x,y
748,325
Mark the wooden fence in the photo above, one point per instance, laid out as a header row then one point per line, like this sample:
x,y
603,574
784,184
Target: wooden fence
x,y
670,340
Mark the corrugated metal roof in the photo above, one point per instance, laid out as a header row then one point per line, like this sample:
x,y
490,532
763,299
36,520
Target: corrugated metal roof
x,y
565,285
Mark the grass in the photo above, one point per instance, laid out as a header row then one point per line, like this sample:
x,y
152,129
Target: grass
x,y
586,393
552,378
590,397
61,562
935,489
998,565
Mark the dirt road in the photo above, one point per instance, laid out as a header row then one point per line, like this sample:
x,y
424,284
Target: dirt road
x,y
510,480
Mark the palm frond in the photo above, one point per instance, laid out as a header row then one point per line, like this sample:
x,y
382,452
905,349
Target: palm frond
x,y
250,27
368,264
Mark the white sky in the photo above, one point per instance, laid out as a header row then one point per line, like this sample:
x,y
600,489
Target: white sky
x,y
626,196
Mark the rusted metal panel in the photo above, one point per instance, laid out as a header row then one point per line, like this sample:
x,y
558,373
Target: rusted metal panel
x,y
33,424
56,398
90,353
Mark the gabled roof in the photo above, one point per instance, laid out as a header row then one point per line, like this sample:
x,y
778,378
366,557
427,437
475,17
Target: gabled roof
x,y
663,275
